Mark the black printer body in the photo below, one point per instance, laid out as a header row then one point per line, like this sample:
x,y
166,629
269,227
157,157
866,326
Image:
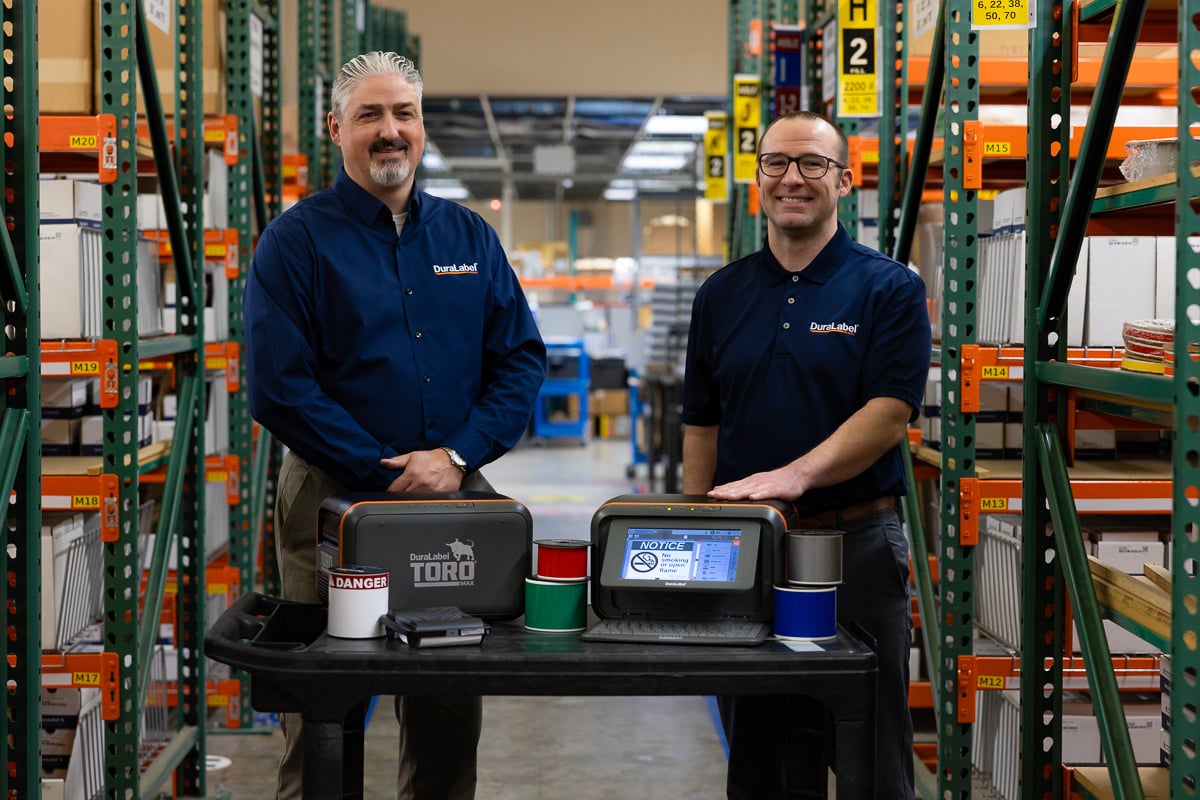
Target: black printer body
x,y
762,524
472,550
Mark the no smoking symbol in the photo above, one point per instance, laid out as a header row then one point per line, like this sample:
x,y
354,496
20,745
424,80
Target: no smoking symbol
x,y
643,562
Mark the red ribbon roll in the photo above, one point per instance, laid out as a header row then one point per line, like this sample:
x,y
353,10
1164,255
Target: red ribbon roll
x,y
561,559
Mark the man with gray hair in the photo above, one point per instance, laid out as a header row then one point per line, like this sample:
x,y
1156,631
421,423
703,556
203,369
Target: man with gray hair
x,y
380,369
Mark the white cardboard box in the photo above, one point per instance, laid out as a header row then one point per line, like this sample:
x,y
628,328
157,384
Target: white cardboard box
x,y
1121,280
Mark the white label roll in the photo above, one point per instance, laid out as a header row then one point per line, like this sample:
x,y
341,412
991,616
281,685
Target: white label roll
x,y
358,597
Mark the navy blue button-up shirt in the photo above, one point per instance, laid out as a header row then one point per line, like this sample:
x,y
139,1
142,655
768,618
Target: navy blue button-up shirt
x,y
779,360
362,345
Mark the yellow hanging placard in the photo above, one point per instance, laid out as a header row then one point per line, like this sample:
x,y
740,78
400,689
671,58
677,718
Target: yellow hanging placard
x,y
716,156
747,116
1000,14
858,58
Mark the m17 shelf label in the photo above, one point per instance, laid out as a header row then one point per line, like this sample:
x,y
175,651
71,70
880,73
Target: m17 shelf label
x,y
858,62
999,14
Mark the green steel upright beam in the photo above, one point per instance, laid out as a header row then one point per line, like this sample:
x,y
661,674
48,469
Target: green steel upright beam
x,y
311,130
1106,100
331,156
923,144
1185,520
745,229
1102,682
192,593
351,30
1042,588
893,123
956,557
20,408
240,103
119,22
1118,55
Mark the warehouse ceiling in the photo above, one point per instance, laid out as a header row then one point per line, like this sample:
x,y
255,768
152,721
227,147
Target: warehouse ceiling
x,y
564,147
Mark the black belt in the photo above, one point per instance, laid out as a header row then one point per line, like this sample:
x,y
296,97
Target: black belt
x,y
838,517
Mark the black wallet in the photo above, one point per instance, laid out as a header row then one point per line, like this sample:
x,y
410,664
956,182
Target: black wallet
x,y
438,626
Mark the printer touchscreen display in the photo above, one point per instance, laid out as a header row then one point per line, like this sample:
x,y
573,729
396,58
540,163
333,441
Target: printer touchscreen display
x,y
672,554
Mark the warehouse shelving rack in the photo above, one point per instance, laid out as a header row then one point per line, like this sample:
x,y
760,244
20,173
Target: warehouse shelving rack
x,y
20,404
122,670
1087,385
1048,379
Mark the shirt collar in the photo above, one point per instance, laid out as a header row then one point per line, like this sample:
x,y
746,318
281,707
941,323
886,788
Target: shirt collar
x,y
367,207
821,268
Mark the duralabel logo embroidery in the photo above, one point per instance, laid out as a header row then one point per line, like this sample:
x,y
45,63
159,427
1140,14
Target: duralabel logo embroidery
x,y
453,568
456,269
833,327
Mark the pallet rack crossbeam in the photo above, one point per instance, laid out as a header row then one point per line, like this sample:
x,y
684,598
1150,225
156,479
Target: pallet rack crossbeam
x,y
15,283
168,180
13,432
1114,734
1106,101
167,526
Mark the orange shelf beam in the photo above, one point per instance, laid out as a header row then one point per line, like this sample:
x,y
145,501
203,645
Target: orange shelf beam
x,y
81,135
217,469
1157,74
217,356
220,132
86,670
85,493
980,363
78,359
1004,672
581,282
220,247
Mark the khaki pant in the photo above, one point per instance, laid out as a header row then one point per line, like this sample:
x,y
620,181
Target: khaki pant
x,y
438,735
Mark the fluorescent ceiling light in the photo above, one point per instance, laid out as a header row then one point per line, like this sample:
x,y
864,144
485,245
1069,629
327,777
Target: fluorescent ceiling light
x,y
673,125
450,190
662,147
433,161
613,193
654,163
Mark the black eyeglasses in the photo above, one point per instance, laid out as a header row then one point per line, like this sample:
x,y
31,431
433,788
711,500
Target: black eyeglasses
x,y
811,165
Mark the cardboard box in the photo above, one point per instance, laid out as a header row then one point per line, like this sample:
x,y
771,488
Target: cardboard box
x,y
162,47
608,401
1121,281
67,45
1080,734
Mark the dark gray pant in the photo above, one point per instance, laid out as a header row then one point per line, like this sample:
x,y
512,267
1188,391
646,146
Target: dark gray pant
x,y
875,595
438,735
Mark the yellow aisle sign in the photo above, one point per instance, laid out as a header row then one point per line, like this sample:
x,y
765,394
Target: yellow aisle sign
x,y
998,14
858,58
716,156
747,116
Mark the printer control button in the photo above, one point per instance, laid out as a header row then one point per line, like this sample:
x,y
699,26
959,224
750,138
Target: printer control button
x,y
465,505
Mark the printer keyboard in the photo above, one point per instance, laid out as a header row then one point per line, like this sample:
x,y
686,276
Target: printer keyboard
x,y
722,632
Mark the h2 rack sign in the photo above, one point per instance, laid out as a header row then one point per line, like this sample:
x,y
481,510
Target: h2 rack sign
x,y
858,58
747,117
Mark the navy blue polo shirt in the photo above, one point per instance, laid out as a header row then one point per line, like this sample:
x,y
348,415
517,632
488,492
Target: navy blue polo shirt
x,y
778,360
362,345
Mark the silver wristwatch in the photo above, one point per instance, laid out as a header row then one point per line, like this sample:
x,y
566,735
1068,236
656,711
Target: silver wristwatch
x,y
456,459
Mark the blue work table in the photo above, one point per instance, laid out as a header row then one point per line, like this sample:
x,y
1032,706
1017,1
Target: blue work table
x,y
295,667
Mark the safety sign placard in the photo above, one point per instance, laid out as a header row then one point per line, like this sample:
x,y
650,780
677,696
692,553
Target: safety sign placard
x,y
858,58
716,156
747,117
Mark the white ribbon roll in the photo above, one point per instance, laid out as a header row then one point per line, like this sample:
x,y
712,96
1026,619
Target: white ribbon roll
x,y
358,597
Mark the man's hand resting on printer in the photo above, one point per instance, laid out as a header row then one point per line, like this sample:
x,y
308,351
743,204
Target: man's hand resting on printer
x,y
424,471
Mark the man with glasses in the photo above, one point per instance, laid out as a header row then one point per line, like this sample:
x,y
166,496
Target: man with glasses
x,y
806,362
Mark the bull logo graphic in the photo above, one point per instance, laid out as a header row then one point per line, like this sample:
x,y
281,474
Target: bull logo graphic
x,y
461,550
